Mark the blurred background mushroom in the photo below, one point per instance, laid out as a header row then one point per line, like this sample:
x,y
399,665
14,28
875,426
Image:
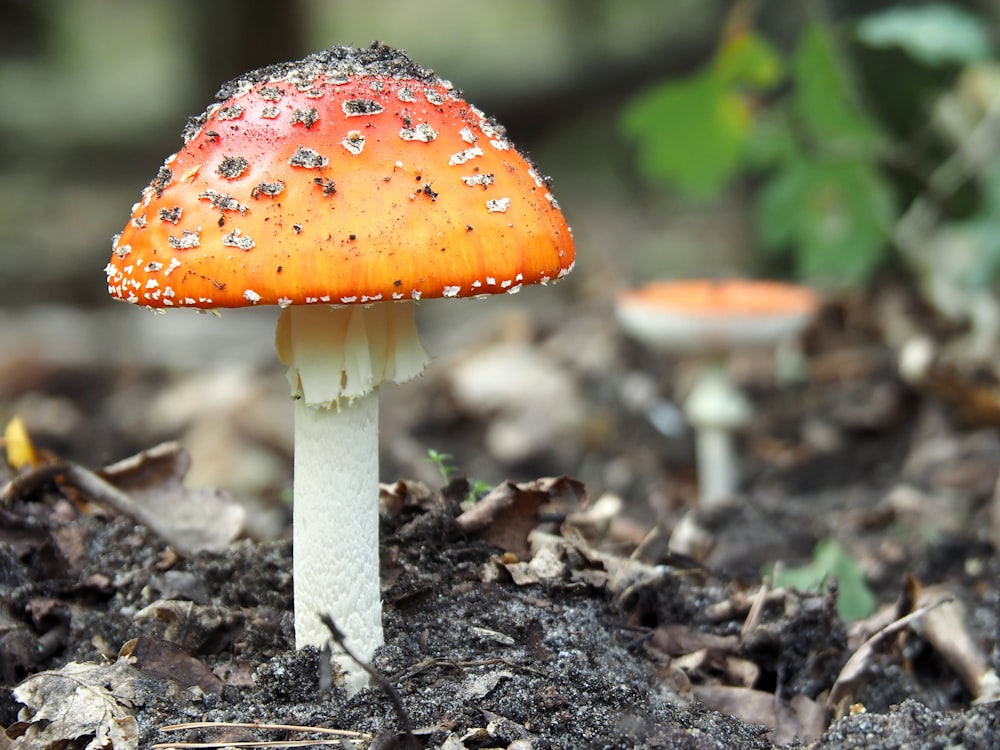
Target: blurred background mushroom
x,y
711,320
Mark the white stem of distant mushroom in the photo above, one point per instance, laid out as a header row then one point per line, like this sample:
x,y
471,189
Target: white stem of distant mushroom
x,y
337,357
715,407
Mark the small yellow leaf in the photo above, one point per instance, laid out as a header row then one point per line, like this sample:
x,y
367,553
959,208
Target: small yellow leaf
x,y
21,451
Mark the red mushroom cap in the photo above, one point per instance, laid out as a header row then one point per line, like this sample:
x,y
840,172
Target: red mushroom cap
x,y
351,176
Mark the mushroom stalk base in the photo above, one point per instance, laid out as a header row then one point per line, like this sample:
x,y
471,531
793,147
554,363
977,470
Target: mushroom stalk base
x,y
715,407
717,466
335,531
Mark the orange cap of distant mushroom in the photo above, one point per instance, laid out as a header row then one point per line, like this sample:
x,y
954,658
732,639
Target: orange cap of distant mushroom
x,y
704,315
352,176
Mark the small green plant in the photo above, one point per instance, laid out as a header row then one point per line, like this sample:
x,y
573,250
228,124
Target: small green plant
x,y
443,463
830,560
477,488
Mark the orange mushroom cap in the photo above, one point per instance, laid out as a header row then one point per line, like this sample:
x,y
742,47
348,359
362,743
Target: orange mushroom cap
x,y
351,176
705,314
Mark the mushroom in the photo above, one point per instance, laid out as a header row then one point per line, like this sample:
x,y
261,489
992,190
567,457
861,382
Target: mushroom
x,y
712,319
341,188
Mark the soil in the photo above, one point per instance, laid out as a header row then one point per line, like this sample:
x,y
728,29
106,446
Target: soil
x,y
550,623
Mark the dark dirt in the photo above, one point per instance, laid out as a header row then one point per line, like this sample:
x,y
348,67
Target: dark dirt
x,y
555,664
595,650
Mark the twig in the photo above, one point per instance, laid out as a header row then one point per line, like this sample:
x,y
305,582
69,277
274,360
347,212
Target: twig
x,y
258,725
757,606
391,693
857,661
108,495
28,481
339,733
651,536
428,663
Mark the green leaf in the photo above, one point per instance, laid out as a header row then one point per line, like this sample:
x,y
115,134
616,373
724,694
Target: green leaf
x,y
692,133
830,560
934,35
823,99
747,59
849,214
689,133
779,206
835,216
771,140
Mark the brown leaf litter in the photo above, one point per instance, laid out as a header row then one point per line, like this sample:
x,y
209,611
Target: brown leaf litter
x,y
512,622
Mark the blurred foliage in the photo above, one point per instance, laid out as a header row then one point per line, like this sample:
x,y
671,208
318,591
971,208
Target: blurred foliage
x,y
825,198
982,229
933,34
833,178
832,562
693,132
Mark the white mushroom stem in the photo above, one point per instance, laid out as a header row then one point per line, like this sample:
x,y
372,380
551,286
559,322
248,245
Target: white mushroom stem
x,y
334,536
715,408
337,357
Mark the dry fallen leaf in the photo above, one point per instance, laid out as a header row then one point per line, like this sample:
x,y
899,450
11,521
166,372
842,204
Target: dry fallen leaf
x,y
506,516
190,519
81,701
592,523
946,628
192,627
21,453
677,639
546,564
166,660
799,719
402,494
843,690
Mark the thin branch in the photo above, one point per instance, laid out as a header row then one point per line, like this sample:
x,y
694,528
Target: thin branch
x,y
338,733
391,693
